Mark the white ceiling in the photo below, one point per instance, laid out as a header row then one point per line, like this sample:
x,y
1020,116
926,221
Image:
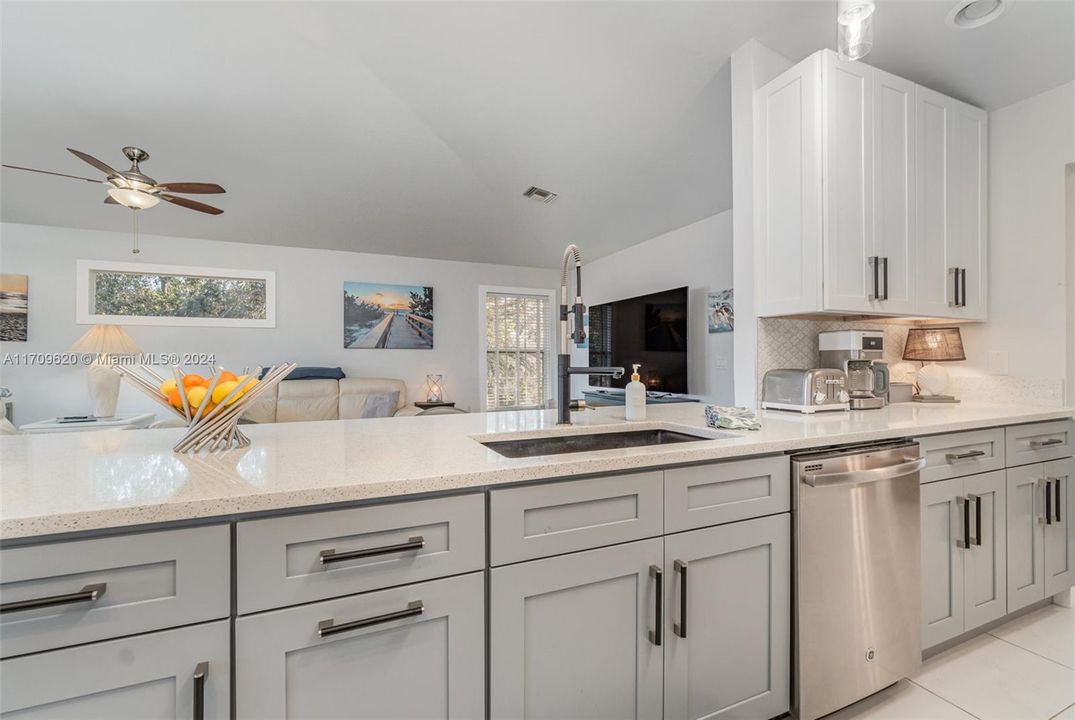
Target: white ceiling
x,y
413,128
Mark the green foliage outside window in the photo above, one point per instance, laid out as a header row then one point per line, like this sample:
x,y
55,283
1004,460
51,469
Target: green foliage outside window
x,y
152,295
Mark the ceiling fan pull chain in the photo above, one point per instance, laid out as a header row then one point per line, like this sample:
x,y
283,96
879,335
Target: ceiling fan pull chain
x,y
134,222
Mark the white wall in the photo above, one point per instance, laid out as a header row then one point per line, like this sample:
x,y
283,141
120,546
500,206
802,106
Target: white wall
x,y
1030,143
309,312
753,65
698,256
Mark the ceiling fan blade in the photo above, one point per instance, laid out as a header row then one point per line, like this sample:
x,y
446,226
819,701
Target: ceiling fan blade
x,y
187,187
92,161
49,172
192,204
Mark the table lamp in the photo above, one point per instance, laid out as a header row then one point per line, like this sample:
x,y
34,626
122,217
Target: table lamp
x,y
104,341
933,345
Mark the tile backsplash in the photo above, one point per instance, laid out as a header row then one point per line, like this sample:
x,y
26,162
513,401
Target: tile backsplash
x,y
792,343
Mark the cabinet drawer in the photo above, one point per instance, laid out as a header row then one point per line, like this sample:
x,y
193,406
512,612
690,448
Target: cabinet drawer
x,y
410,652
704,495
145,581
959,454
289,560
543,520
146,676
1039,442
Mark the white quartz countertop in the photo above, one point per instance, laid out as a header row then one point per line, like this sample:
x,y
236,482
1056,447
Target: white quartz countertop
x,y
51,484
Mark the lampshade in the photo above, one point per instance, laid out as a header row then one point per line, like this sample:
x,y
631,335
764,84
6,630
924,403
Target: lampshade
x,y
105,340
939,344
133,198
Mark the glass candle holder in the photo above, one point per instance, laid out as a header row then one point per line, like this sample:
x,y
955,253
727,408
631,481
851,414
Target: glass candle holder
x,y
434,391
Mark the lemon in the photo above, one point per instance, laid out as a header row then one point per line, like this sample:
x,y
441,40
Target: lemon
x,y
248,383
167,387
196,396
222,389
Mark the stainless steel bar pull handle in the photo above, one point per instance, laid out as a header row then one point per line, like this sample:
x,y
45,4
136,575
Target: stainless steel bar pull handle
x,y
955,273
656,635
969,455
201,674
859,477
977,500
325,628
1056,490
1048,502
885,276
875,268
963,287
680,628
331,556
1046,443
964,504
90,593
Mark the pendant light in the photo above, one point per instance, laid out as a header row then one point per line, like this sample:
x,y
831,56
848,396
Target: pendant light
x,y
854,24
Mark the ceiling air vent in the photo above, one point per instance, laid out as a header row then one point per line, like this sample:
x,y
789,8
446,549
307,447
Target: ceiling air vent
x,y
545,196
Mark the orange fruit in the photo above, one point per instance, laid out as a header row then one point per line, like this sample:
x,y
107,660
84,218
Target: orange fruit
x,y
192,379
173,396
226,376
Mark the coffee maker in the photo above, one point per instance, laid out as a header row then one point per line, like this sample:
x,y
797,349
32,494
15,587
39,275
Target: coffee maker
x,y
858,353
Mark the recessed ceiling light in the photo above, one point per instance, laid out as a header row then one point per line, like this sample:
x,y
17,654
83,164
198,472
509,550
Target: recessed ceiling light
x,y
967,15
545,196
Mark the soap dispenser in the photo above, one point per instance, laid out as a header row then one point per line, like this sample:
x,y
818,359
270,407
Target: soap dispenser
x,y
635,399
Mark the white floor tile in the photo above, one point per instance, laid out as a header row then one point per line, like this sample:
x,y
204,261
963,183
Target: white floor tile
x,y
990,678
902,701
1049,632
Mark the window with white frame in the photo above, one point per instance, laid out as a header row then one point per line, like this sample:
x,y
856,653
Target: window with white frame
x,y
517,360
151,294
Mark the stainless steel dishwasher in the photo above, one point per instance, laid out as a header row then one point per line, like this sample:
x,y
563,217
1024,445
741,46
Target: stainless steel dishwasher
x,y
857,557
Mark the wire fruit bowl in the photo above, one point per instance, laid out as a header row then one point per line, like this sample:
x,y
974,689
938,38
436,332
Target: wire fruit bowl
x,y
214,429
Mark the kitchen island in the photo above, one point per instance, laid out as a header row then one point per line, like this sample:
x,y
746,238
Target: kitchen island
x,y
399,568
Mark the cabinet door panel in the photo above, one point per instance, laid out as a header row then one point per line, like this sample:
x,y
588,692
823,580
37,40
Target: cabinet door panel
x,y
787,174
735,659
1059,537
569,636
146,677
970,180
1026,566
985,586
423,666
936,251
848,182
893,192
942,562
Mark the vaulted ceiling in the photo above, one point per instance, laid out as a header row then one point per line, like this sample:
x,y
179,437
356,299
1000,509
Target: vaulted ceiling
x,y
413,128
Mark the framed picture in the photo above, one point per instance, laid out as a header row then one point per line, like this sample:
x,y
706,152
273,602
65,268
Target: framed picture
x,y
14,307
389,317
721,311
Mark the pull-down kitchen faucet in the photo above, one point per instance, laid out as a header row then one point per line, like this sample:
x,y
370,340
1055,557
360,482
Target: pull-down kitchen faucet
x,y
564,403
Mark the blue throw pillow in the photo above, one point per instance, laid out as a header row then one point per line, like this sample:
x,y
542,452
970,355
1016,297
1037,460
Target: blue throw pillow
x,y
310,373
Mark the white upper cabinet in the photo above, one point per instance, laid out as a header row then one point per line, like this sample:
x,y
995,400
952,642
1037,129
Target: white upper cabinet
x,y
870,197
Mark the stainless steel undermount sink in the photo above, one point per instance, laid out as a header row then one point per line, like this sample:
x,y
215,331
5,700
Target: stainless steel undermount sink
x,y
561,444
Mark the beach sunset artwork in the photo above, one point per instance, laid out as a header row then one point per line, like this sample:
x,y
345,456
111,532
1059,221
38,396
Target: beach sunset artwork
x,y
390,317
14,297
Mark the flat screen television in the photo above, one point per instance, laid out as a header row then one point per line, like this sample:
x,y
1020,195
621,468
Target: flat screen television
x,y
650,330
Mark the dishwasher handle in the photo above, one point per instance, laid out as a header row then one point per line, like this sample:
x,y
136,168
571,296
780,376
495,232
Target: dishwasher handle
x,y
861,477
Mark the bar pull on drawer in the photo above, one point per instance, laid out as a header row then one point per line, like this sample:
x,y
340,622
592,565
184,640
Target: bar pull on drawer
x,y
1037,444
964,503
201,674
680,628
331,556
657,634
325,628
90,593
969,455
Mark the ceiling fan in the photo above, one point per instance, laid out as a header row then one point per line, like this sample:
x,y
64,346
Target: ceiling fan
x,y
132,189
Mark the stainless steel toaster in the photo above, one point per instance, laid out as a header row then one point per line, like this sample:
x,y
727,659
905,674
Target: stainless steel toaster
x,y
805,391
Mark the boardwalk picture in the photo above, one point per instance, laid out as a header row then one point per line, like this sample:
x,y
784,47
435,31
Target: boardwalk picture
x,y
13,307
379,316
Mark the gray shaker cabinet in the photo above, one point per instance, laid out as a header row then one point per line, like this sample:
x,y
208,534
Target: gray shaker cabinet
x,y
1026,556
415,651
1059,537
576,636
728,621
157,676
963,584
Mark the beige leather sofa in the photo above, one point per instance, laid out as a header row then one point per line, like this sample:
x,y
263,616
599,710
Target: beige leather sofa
x,y
321,399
